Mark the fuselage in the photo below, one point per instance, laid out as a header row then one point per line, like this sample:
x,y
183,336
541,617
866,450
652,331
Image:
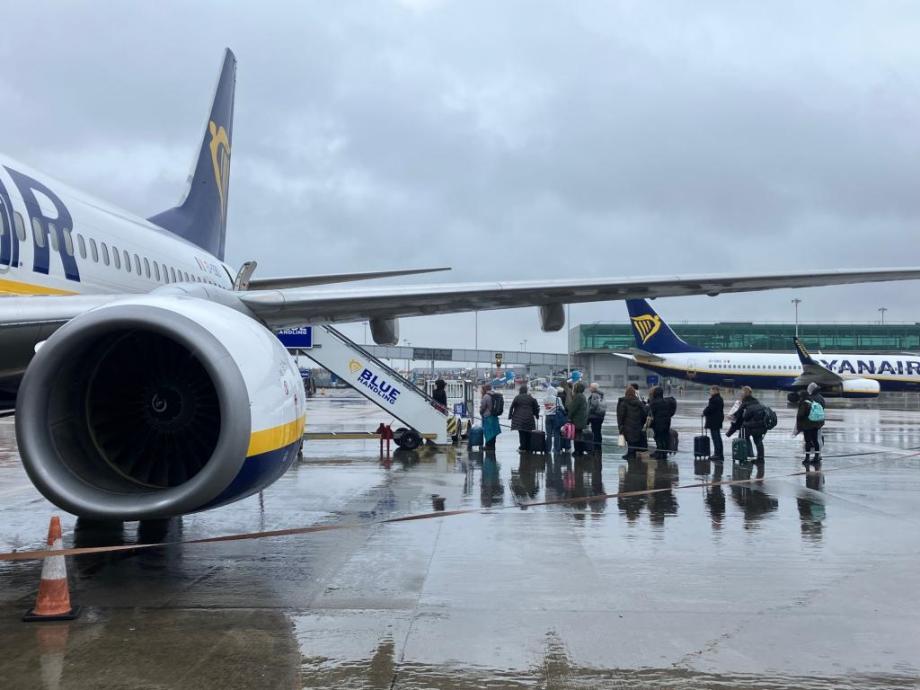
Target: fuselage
x,y
57,241
780,371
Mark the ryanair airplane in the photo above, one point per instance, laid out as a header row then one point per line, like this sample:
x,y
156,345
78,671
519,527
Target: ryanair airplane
x,y
143,369
659,349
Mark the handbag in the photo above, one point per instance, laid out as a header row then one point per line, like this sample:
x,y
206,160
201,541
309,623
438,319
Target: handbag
x,y
568,431
621,441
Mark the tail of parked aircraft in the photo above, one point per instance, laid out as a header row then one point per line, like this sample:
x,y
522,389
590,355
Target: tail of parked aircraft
x,y
201,218
652,333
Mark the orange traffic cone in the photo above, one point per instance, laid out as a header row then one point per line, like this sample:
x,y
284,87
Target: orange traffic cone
x,y
53,603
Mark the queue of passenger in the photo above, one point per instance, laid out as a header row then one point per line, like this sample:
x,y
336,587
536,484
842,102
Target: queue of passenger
x,y
574,418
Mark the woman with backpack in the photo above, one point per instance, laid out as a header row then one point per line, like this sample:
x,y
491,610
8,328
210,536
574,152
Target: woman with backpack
x,y
809,419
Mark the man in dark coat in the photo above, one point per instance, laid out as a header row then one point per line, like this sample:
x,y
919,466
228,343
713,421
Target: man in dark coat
x,y
524,413
714,415
578,415
661,409
751,417
631,416
439,394
597,410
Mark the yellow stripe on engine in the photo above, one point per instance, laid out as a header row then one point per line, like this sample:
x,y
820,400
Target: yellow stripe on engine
x,y
277,437
14,287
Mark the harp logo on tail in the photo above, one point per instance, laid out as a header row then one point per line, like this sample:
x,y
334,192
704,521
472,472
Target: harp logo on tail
x,y
220,159
646,326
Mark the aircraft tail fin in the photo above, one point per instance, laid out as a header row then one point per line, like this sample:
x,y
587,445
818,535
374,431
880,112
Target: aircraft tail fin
x,y
201,218
652,334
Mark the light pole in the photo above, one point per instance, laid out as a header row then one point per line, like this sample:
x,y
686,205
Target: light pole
x,y
476,346
796,302
408,359
568,341
882,310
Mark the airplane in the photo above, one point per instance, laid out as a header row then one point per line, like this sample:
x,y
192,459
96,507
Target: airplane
x,y
144,371
661,350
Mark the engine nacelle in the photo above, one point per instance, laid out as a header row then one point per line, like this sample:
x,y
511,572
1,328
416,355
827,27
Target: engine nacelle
x,y
156,406
385,331
552,318
860,388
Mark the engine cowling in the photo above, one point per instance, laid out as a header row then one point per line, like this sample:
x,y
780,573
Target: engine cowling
x,y
860,388
156,406
385,331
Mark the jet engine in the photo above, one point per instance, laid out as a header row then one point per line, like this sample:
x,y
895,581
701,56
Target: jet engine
x,y
858,388
156,406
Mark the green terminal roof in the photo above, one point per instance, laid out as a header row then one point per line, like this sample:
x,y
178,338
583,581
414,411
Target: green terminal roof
x,y
743,337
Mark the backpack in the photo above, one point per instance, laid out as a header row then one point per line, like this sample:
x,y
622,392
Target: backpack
x,y
769,417
596,407
498,403
816,413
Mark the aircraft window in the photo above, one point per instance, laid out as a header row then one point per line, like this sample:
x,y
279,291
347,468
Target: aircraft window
x,y
82,244
127,261
20,226
116,255
68,241
37,231
172,273
137,264
146,267
93,251
105,253
52,234
156,271
2,225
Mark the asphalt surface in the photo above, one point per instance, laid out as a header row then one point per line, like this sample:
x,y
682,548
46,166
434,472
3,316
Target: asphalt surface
x,y
792,581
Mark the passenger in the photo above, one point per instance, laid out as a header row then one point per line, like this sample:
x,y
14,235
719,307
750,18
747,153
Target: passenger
x,y
490,426
440,394
660,411
631,415
809,419
751,417
714,414
578,415
524,413
597,410
554,412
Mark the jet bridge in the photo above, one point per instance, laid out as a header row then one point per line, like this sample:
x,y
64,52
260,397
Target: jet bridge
x,y
376,381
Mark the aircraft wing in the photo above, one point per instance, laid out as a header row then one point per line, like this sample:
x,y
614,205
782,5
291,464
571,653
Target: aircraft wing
x,y
812,370
298,306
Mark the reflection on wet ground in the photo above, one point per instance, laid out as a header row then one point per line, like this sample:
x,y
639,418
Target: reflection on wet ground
x,y
683,574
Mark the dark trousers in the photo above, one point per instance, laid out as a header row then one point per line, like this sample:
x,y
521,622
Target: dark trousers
x,y
812,441
553,437
663,442
758,441
596,424
523,440
716,435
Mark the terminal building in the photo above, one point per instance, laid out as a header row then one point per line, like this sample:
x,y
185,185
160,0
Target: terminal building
x,y
596,345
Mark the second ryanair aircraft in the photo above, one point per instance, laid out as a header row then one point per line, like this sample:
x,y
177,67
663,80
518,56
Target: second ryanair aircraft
x,y
851,375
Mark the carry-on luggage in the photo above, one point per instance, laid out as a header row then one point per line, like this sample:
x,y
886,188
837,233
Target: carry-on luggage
x,y
675,438
740,448
701,445
475,438
535,442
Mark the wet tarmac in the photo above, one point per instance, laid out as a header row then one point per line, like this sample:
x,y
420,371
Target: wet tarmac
x,y
789,581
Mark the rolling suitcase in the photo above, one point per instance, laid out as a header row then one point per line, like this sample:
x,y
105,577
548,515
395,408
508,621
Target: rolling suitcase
x,y
740,448
701,445
475,437
536,442
675,439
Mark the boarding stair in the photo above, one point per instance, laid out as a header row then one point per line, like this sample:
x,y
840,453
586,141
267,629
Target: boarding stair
x,y
379,383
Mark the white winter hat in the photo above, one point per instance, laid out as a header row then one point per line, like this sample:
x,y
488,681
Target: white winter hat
x,y
813,387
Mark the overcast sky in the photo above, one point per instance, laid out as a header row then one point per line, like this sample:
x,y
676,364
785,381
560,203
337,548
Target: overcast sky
x,y
505,139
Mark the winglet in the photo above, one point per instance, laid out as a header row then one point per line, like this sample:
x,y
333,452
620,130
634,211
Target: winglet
x,y
804,356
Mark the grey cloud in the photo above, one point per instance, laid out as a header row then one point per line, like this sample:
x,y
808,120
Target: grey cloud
x,y
508,139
